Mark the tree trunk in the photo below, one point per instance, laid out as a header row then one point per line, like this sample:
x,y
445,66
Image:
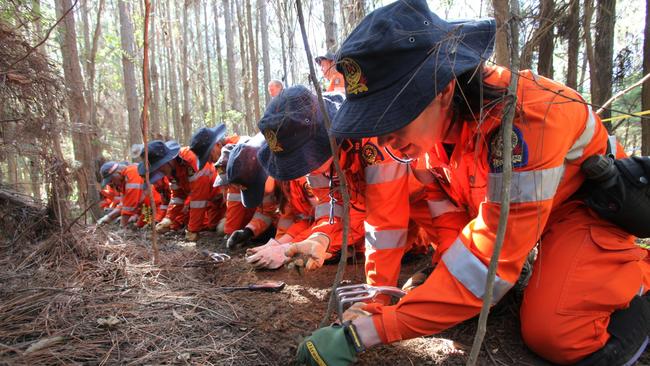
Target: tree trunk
x,y
601,85
573,34
128,55
547,39
9,140
173,80
154,106
36,10
233,91
35,177
92,104
244,65
213,112
217,36
186,119
330,25
77,108
263,19
255,84
282,20
502,49
200,72
645,96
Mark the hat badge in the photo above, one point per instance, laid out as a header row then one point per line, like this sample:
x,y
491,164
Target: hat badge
x,y
272,140
353,76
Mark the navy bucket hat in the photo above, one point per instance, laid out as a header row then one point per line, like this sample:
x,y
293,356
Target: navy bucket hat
x,y
398,59
160,153
107,170
222,163
244,169
204,140
297,141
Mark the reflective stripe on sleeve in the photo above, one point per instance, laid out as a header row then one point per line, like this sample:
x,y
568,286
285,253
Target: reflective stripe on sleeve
x,y
318,181
134,186
471,272
383,173
233,197
198,204
528,186
578,147
324,210
198,175
129,209
439,208
162,207
260,216
611,141
284,223
384,239
177,201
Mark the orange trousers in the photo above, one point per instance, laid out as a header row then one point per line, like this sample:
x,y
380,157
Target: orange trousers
x,y
586,269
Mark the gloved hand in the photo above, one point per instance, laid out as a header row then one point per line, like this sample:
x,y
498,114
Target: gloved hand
x,y
164,226
239,237
133,219
272,242
355,311
313,248
270,257
104,220
191,236
336,345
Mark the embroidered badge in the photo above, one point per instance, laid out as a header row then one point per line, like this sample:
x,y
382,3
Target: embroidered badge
x,y
371,154
495,150
353,76
272,140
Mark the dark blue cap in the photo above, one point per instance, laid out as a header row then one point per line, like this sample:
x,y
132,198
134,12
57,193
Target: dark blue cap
x,y
244,169
222,163
106,171
398,59
204,140
160,153
297,141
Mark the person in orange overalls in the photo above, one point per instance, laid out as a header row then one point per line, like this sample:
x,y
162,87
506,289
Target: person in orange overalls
x,y
191,197
328,68
130,185
245,223
587,301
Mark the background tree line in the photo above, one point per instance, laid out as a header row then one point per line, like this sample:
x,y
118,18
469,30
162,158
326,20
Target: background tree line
x,y
210,61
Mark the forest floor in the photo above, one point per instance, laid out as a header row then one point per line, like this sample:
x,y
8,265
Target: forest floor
x,y
100,301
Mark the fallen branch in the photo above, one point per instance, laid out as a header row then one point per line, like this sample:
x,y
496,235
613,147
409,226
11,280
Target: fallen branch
x,y
621,93
506,130
343,189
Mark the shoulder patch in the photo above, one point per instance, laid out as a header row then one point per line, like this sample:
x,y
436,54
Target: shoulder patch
x,y
371,154
495,150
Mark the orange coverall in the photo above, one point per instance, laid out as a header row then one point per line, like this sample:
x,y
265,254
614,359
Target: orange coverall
x,y
256,219
587,267
111,196
133,194
236,214
297,213
336,82
192,187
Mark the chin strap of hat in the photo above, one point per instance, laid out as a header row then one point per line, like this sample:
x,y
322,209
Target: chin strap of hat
x,y
399,160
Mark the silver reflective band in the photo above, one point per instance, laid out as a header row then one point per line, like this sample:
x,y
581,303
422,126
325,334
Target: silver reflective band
x,y
384,239
174,186
578,147
385,172
201,173
267,220
318,181
530,186
125,208
233,197
162,207
324,210
471,272
439,208
198,204
134,186
177,201
284,223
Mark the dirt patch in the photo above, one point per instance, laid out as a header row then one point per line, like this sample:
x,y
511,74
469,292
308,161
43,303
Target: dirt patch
x,y
111,306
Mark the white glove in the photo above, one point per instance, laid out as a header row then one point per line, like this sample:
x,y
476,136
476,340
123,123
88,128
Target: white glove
x,y
164,226
104,220
270,257
355,311
271,243
313,248
221,226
